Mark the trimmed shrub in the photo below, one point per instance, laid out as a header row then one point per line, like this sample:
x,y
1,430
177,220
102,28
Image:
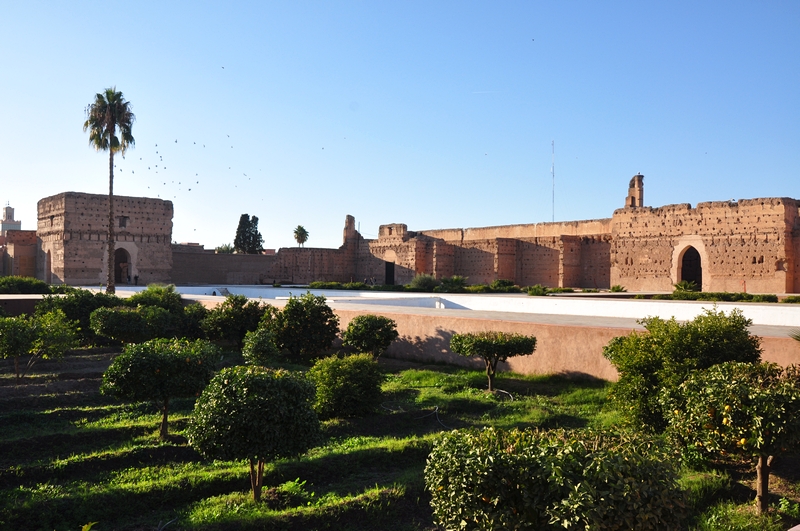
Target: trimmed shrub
x,y
664,357
305,327
258,414
536,480
133,325
157,295
259,347
504,286
346,387
562,290
423,282
537,291
26,285
493,348
792,299
746,409
78,305
159,370
319,284
370,333
191,321
231,320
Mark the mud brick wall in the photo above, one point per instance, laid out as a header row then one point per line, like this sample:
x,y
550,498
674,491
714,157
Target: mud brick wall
x,y
476,260
595,262
538,261
569,273
196,266
523,231
73,228
750,240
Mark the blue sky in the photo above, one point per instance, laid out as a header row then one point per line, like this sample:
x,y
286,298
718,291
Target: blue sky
x,y
434,114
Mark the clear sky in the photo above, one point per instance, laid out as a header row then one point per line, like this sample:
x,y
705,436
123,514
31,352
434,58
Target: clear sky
x,y
434,114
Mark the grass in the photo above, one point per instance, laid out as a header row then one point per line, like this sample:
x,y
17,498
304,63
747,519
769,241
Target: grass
x,y
72,457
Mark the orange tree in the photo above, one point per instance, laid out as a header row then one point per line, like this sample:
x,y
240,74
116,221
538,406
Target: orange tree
x,y
254,413
160,369
306,327
752,410
493,348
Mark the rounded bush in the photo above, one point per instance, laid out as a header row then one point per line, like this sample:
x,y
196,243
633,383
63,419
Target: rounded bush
x,y
159,370
423,282
259,347
370,333
346,387
526,479
254,413
306,327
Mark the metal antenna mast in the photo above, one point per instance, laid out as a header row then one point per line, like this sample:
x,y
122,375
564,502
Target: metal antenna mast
x,y
553,172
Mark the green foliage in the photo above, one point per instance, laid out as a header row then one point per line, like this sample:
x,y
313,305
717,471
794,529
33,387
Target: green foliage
x,y
319,284
562,290
300,235
160,369
370,333
231,320
454,284
248,240
27,285
423,282
306,327
225,248
259,347
590,290
78,305
45,336
537,291
346,387
161,296
663,357
747,409
504,286
191,321
792,299
714,296
258,414
686,285
492,347
539,480
133,325
616,288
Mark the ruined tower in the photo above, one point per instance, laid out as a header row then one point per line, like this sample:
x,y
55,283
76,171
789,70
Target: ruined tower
x,y
635,192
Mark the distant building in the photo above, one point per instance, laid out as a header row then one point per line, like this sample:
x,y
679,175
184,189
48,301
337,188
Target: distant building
x,y
8,222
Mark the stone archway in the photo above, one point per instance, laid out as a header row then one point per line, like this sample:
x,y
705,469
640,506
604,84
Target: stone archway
x,y
122,265
389,259
691,268
695,266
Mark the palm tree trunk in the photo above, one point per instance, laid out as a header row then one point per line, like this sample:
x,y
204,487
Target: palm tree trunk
x,y
110,278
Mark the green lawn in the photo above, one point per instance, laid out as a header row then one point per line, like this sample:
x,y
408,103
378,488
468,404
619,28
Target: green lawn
x,y
70,456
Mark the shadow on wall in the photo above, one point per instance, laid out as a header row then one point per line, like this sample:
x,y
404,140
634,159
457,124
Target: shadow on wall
x,y
434,349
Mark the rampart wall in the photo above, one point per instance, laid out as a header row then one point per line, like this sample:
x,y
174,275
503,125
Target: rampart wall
x,y
590,227
744,245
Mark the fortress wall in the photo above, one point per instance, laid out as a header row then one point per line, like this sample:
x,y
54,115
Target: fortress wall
x,y
537,262
200,267
737,241
73,227
476,261
569,274
304,265
531,230
595,267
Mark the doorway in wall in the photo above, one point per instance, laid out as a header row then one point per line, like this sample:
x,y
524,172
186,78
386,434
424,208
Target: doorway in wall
x,y
691,268
122,263
389,277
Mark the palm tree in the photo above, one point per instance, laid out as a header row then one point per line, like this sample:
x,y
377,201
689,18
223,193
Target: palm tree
x,y
108,113
301,235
